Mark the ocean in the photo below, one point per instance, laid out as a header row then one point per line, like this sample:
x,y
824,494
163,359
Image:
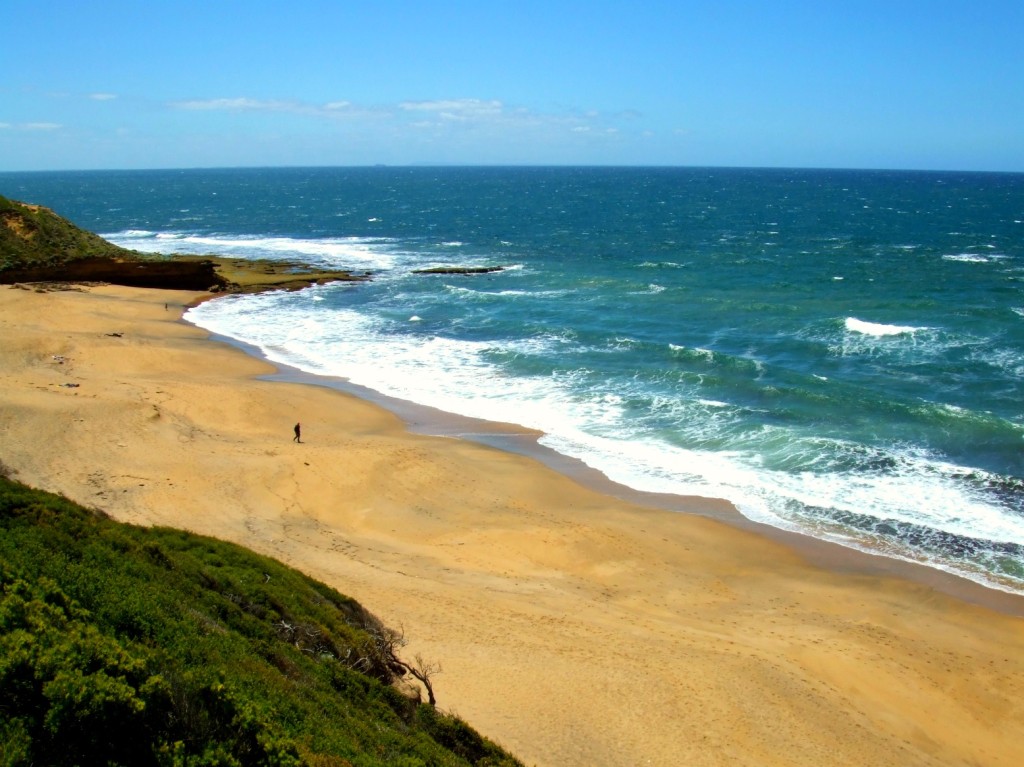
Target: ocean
x,y
837,353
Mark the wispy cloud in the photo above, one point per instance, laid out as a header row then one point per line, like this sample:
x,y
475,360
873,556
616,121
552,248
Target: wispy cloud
x,y
445,109
457,109
102,96
492,113
39,126
331,109
438,115
238,105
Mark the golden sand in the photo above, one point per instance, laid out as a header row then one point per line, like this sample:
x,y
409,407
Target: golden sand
x,y
572,627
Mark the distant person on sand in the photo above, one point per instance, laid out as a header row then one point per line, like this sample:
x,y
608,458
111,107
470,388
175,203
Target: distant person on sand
x,y
298,433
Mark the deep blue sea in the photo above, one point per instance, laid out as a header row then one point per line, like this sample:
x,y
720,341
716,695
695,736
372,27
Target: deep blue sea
x,y
836,352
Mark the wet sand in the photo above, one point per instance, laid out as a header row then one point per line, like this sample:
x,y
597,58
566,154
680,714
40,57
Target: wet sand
x,y
572,626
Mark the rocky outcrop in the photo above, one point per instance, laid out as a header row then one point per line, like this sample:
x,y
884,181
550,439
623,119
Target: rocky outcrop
x,y
459,270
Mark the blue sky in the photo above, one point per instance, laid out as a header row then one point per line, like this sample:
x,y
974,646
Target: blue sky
x,y
929,84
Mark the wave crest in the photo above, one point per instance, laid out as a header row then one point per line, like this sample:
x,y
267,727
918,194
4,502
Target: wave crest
x,y
877,329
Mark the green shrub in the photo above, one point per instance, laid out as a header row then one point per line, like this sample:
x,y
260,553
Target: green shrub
x,y
122,645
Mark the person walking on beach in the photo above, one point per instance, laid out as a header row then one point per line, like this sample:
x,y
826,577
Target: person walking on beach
x,y
298,434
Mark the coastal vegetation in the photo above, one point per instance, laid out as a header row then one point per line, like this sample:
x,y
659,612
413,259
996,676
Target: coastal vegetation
x,y
123,645
34,236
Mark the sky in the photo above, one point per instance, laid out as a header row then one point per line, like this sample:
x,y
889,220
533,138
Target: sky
x,y
899,84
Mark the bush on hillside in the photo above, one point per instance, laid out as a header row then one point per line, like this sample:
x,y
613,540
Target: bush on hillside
x,y
122,645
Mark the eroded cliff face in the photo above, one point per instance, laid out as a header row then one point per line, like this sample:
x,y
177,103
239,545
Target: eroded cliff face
x,y
169,275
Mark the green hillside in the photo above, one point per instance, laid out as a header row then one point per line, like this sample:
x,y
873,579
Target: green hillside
x,y
33,236
122,645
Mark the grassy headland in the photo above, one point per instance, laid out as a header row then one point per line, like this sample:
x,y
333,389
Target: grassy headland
x,y
34,236
37,245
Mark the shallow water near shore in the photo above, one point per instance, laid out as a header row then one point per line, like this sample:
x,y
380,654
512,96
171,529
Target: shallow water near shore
x,y
837,353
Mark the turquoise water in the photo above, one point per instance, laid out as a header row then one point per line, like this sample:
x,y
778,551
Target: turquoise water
x,y
837,352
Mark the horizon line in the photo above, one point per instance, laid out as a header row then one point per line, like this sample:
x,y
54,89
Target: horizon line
x,y
537,166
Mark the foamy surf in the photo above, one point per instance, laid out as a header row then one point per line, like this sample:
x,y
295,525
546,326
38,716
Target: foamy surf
x,y
878,329
349,252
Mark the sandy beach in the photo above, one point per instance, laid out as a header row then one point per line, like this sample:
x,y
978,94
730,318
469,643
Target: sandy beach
x,y
572,627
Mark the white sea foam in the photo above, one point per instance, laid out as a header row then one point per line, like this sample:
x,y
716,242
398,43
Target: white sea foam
x,y
526,293
1009,360
901,344
650,290
854,325
343,252
661,265
929,493
969,258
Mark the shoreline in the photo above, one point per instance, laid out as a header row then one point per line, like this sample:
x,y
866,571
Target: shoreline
x,y
572,627
430,421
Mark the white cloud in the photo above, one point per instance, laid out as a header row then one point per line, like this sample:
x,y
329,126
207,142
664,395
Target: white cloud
x,y
237,105
102,96
31,126
456,109
332,109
